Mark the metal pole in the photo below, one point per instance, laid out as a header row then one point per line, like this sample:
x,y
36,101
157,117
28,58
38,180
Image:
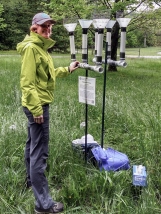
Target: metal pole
x,y
104,94
85,25
85,59
86,119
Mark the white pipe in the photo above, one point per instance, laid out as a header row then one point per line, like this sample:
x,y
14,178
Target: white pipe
x,y
96,37
112,62
100,44
117,63
98,69
123,44
72,46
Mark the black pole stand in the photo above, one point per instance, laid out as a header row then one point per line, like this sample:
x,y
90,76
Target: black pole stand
x,y
86,113
104,98
86,120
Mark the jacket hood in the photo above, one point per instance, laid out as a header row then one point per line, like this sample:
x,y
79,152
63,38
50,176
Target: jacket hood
x,y
37,40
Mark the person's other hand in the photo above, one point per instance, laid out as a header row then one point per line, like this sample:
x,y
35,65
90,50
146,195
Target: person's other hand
x,y
39,119
73,66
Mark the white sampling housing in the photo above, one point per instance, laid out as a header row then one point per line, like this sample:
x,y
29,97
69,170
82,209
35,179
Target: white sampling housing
x,y
71,28
109,27
100,24
85,24
123,22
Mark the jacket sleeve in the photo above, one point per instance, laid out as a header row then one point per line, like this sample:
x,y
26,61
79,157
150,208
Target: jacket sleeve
x,y
28,83
62,72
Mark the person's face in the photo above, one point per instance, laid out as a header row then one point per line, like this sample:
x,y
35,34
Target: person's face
x,y
45,29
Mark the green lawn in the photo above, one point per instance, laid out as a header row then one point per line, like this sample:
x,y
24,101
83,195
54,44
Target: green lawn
x,y
149,51
132,126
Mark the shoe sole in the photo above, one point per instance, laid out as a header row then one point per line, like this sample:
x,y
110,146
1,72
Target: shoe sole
x,y
36,212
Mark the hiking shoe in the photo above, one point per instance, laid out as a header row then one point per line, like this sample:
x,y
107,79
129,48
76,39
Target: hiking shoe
x,y
56,208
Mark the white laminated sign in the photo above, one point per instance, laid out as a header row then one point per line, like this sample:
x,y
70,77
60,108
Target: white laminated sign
x,y
87,87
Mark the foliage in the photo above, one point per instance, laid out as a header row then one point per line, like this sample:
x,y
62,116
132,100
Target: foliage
x,y
132,40
2,24
17,15
145,27
15,20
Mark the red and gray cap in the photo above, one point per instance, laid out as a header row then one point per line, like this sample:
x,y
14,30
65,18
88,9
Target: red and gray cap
x,y
40,18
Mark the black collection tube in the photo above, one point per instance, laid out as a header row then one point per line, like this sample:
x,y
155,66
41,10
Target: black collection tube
x,y
84,45
99,46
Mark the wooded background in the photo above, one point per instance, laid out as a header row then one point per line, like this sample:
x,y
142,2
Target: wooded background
x,y
143,30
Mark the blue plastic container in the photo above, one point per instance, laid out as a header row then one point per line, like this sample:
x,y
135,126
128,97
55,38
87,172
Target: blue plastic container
x,y
139,175
110,159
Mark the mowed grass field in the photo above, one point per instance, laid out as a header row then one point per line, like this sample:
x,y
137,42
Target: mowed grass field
x,y
132,126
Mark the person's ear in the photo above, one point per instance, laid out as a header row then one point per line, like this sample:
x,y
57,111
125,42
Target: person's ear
x,y
33,28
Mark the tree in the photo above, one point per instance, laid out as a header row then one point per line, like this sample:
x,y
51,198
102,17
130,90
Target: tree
x,y
83,9
15,20
18,17
2,22
145,27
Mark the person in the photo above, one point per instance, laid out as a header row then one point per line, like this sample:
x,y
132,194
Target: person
x,y
37,82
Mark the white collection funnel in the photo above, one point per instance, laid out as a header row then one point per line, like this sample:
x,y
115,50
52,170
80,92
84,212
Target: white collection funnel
x,y
123,22
70,27
110,24
100,23
85,23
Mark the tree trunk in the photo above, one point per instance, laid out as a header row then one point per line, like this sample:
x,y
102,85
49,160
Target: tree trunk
x,y
145,41
114,45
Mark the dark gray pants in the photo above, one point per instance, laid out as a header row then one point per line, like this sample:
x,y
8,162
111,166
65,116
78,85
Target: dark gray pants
x,y
36,153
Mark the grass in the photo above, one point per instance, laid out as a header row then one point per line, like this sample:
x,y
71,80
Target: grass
x,y
148,51
132,126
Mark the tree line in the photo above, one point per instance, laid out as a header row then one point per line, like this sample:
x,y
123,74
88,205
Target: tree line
x,y
16,17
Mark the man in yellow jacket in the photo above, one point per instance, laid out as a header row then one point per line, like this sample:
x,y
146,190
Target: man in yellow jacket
x,y
37,83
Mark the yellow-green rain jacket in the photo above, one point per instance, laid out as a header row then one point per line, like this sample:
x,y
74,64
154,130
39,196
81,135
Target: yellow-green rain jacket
x,y
38,74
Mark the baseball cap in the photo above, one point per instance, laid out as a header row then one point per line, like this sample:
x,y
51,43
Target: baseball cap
x,y
40,18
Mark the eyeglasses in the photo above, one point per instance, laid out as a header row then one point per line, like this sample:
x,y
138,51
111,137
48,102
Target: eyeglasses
x,y
46,26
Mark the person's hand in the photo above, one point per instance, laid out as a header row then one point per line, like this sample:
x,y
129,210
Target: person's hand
x,y
73,66
39,119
